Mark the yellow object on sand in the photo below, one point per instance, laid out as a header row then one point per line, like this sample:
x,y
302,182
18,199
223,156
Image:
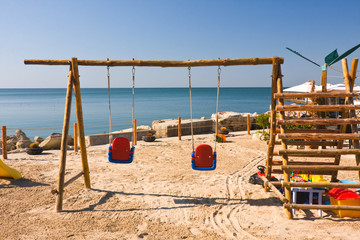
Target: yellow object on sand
x,y
6,171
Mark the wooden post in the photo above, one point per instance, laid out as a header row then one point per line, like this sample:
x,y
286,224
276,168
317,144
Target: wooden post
x,y
80,121
248,124
64,137
135,132
270,151
179,128
324,78
284,145
75,137
4,145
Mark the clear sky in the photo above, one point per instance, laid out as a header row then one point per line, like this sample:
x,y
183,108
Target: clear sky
x,y
172,30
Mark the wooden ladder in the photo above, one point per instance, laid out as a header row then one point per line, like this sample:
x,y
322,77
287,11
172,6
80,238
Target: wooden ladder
x,y
326,135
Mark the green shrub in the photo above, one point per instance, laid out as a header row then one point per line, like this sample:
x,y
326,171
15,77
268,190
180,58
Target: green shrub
x,y
263,120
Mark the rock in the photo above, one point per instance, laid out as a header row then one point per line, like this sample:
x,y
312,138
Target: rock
x,y
235,121
11,142
38,139
23,144
54,141
20,135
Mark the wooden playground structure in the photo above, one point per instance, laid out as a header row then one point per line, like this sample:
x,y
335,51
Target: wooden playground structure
x,y
316,136
74,84
330,140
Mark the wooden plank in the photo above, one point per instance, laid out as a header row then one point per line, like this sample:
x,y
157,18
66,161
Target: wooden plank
x,y
319,168
326,108
323,152
320,136
316,94
318,121
159,63
321,207
321,185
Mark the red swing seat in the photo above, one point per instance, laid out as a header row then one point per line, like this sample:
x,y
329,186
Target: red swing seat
x,y
203,158
120,151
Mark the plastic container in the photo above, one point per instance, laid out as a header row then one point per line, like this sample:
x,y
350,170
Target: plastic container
x,y
345,197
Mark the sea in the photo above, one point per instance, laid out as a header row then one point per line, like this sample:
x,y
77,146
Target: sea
x,y
40,111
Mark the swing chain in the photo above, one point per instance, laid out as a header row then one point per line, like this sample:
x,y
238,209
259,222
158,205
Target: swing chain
x,y
133,71
219,71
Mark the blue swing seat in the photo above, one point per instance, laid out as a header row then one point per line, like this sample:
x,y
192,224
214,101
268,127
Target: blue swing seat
x,y
120,151
203,158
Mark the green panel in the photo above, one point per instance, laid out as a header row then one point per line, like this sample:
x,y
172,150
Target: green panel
x,y
331,57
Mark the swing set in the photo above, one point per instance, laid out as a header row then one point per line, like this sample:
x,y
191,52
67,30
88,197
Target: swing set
x,y
202,157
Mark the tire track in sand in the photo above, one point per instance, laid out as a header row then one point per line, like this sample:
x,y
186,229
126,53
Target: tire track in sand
x,y
225,219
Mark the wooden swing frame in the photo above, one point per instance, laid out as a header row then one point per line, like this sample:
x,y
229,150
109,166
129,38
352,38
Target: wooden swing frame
x,y
74,83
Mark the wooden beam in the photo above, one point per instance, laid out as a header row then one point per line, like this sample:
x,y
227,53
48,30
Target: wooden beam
x,y
311,143
318,121
321,207
159,63
64,137
319,168
320,136
321,185
323,108
274,189
80,121
279,163
310,131
322,152
316,94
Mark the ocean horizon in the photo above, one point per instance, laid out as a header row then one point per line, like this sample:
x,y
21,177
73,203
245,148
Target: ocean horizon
x,y
40,111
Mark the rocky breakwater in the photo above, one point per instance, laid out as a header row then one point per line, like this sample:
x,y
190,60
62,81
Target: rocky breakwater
x,y
235,121
19,142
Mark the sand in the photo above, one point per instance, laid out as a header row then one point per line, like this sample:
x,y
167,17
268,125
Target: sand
x,y
158,196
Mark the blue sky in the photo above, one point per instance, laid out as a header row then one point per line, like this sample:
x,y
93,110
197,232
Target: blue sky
x,y
172,30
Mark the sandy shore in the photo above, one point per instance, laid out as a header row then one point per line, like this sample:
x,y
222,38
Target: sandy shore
x,y
158,196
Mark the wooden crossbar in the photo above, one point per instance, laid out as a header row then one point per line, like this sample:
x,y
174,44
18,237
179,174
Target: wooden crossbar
x,y
318,121
321,207
314,95
320,136
323,152
321,185
160,63
279,163
326,108
275,190
319,168
311,143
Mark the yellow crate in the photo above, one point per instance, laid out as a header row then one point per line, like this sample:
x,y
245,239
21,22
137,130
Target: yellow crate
x,y
346,202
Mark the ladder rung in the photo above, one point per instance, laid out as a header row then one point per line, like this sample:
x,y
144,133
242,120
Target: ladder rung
x,y
311,143
321,207
321,185
319,168
320,108
318,121
322,152
310,130
279,163
320,136
312,95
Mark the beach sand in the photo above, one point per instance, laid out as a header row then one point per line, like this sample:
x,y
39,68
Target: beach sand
x,y
158,196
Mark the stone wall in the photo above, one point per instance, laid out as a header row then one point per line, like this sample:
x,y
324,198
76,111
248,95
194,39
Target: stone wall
x,y
234,121
169,127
